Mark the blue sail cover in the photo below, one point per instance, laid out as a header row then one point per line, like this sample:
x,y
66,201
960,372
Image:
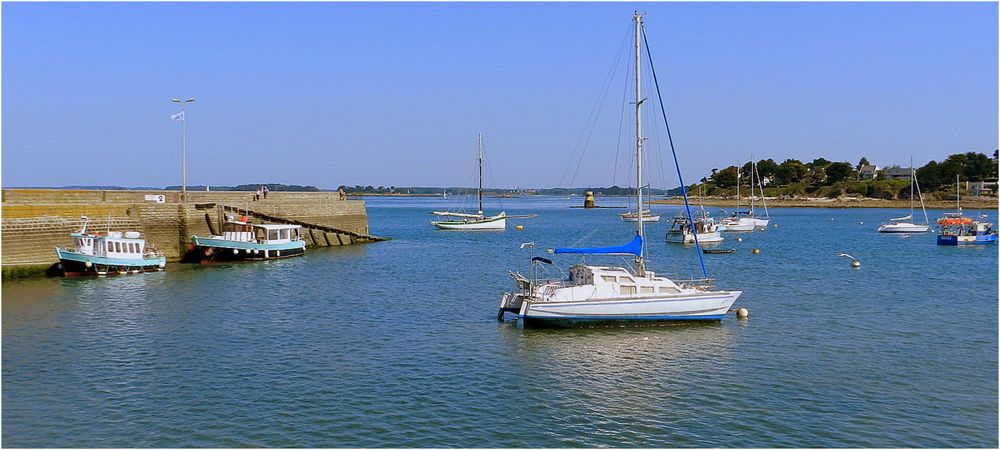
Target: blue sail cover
x,y
632,248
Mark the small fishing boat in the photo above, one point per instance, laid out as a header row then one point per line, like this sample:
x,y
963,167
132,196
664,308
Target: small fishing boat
x,y
958,230
468,221
245,241
647,216
905,224
705,227
108,253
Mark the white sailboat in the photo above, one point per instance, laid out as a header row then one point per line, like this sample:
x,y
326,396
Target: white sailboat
x,y
757,221
740,221
477,221
706,228
613,293
905,224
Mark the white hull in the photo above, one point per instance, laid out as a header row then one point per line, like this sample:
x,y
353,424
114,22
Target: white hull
x,y
701,306
760,223
687,238
903,227
489,223
645,219
742,225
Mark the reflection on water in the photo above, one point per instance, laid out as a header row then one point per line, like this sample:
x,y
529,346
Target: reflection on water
x,y
396,343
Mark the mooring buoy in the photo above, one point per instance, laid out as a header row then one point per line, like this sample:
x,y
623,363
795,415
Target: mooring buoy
x,y
518,227
739,239
854,261
755,251
742,313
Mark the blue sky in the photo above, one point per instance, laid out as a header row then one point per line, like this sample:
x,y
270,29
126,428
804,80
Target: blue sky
x,y
395,94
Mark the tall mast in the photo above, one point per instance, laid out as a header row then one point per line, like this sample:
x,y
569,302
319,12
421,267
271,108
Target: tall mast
x,y
739,175
640,265
751,183
480,192
911,188
958,193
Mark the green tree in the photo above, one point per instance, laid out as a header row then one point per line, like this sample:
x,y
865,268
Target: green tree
x,y
838,171
790,171
725,177
819,163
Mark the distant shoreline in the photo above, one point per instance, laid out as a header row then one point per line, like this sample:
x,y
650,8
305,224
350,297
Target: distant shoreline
x,y
970,203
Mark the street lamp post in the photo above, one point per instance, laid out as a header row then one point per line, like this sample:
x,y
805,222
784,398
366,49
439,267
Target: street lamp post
x,y
183,146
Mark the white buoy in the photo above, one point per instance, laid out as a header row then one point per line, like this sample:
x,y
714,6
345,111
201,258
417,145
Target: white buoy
x,y
742,313
739,239
755,251
236,251
88,264
861,222
775,225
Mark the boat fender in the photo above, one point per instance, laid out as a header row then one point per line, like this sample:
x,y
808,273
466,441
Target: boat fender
x,y
162,264
236,251
88,264
277,252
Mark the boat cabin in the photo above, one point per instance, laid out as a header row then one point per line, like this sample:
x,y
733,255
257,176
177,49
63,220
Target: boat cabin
x,y
242,230
595,282
114,244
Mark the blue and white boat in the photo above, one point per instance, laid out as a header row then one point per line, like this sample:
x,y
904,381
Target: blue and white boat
x,y
605,294
245,241
108,253
958,230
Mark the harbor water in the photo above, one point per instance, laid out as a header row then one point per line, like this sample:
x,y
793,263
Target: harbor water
x,y
397,344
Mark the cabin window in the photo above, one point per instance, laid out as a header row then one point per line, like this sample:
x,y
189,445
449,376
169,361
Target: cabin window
x,y
647,289
628,290
284,234
609,278
627,280
118,247
132,248
273,234
668,290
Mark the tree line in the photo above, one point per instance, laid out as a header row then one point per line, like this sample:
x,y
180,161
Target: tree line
x,y
831,178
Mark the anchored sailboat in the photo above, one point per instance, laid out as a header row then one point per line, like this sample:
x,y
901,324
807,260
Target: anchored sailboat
x,y
478,221
905,224
614,293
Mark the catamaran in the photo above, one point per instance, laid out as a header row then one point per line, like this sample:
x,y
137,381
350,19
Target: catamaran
x,y
905,224
477,221
615,293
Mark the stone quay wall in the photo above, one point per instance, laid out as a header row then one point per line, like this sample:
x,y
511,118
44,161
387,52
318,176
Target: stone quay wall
x,y
35,221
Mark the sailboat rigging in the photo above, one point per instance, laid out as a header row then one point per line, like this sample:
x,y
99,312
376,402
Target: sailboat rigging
x,y
905,224
616,293
477,221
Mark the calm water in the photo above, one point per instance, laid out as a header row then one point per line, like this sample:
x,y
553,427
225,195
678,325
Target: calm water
x,y
397,344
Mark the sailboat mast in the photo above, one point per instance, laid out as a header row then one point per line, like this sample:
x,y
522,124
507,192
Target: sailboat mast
x,y
911,188
751,184
480,192
640,266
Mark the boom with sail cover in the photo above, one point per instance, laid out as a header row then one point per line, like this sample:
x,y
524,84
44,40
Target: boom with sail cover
x,y
632,248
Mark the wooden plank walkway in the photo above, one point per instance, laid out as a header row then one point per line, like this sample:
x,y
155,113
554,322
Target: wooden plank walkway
x,y
276,219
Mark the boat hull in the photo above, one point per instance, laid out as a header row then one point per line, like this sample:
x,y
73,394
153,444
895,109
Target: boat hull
x,y
76,264
645,219
761,223
211,250
981,239
903,228
472,225
701,307
675,237
739,226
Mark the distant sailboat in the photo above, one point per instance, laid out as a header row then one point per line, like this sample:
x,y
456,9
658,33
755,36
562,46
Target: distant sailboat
x,y
905,224
478,221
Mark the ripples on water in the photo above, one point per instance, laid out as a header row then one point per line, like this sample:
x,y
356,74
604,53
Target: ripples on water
x,y
396,344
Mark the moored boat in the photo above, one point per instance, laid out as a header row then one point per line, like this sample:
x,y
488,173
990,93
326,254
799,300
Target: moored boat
x,y
477,221
705,227
647,216
905,224
245,241
958,230
609,294
108,253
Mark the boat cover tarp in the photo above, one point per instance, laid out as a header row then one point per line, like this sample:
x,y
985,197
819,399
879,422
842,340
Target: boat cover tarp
x,y
632,248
